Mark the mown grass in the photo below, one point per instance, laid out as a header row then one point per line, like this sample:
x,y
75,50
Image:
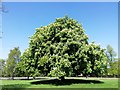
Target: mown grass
x,y
55,83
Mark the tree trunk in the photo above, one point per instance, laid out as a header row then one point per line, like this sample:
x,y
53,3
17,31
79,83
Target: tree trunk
x,y
12,77
62,78
33,77
28,77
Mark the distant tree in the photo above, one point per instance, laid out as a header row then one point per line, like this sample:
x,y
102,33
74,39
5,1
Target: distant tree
x,y
114,69
119,67
110,54
112,62
62,49
12,60
2,64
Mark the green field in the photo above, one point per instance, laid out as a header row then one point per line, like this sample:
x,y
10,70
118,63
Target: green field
x,y
68,83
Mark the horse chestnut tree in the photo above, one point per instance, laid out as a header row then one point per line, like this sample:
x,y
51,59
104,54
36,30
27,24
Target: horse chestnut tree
x,y
62,49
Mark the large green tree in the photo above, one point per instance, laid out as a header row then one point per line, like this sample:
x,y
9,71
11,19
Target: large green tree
x,y
12,60
62,49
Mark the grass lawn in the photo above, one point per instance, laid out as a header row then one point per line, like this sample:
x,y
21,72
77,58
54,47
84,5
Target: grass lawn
x,y
68,83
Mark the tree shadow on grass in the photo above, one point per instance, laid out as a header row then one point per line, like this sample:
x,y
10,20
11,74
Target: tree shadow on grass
x,y
57,82
14,87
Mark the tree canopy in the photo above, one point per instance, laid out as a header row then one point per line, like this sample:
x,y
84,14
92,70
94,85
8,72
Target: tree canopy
x,y
62,49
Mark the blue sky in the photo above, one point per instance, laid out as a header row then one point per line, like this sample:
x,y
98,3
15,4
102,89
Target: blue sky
x,y
100,21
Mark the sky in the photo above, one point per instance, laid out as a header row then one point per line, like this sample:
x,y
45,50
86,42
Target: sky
x,y
60,0
99,20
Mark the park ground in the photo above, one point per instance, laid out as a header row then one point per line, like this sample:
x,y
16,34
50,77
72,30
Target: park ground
x,y
71,82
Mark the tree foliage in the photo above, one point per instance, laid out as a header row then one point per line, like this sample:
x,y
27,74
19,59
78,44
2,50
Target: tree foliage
x,y
114,69
62,49
2,64
110,54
